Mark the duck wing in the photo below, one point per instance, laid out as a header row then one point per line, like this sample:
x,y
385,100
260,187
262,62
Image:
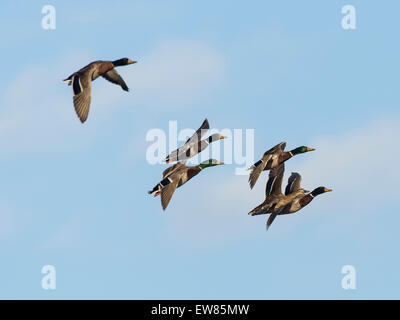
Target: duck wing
x,y
82,87
182,153
271,219
167,172
168,191
293,184
293,205
260,165
196,137
274,183
191,146
273,192
114,77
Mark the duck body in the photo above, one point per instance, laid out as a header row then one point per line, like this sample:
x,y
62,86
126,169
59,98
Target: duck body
x,y
94,69
81,82
176,176
183,172
194,144
188,151
294,199
274,199
300,201
272,159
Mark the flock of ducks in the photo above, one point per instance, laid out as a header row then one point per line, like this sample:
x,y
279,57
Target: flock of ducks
x,y
275,203
295,197
179,173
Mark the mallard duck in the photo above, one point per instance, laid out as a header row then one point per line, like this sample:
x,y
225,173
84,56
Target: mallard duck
x,y
177,175
273,193
273,158
297,203
295,197
194,144
81,82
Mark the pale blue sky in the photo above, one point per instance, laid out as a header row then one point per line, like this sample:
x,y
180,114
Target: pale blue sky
x,y
75,196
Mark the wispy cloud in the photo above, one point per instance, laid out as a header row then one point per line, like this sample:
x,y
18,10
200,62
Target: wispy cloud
x,y
357,162
175,71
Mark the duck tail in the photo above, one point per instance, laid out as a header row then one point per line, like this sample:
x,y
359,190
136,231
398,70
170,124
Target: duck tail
x,y
155,190
167,159
253,212
68,80
261,209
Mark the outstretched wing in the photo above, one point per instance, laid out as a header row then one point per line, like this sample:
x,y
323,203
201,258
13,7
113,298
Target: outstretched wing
x,y
293,184
185,151
81,86
278,148
256,170
196,137
260,165
274,183
167,192
271,219
114,77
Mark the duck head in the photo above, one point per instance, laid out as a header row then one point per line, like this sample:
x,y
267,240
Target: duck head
x,y
210,163
302,149
215,137
320,190
123,62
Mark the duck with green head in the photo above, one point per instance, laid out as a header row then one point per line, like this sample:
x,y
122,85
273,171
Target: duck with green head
x,y
272,158
177,175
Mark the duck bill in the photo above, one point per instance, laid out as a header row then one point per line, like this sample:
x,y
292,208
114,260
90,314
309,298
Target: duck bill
x,y
222,137
327,190
219,163
131,61
310,149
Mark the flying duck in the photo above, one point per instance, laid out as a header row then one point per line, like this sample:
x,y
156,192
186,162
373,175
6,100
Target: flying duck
x,y
294,199
194,144
177,175
81,82
272,158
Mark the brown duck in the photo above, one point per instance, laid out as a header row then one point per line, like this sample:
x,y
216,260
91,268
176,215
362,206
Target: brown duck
x,y
272,158
81,82
294,199
177,175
